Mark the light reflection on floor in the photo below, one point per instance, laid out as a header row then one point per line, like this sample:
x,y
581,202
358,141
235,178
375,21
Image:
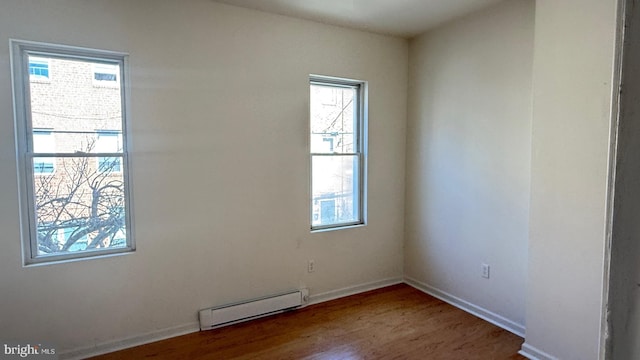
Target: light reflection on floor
x,y
341,353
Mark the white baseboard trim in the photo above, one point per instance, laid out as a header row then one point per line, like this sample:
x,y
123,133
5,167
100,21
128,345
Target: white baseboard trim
x,y
352,290
526,351
482,313
82,353
153,336
532,353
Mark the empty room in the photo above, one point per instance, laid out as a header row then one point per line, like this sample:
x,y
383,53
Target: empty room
x,y
318,179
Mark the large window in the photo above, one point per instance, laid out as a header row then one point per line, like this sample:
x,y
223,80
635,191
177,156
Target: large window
x,y
337,116
72,152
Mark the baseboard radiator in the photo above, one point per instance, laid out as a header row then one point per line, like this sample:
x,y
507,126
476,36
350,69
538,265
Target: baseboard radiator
x,y
252,309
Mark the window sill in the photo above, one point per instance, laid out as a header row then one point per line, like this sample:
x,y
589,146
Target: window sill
x,y
341,227
95,256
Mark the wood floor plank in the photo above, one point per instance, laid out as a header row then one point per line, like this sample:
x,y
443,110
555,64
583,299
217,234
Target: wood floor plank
x,y
396,322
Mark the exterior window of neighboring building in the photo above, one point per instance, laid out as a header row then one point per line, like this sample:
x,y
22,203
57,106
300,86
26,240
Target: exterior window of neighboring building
x,y
81,208
337,123
39,67
105,74
109,142
43,142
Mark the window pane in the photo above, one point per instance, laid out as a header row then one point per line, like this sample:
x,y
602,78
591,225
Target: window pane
x,y
80,208
72,106
334,190
333,119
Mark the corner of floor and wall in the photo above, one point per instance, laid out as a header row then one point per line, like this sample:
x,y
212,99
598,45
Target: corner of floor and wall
x,y
488,184
510,145
468,161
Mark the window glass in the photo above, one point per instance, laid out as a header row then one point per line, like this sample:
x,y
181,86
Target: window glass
x,y
73,135
336,123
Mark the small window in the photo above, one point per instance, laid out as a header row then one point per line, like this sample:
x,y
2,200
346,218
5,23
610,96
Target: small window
x,y
43,142
38,67
337,152
105,74
109,142
74,181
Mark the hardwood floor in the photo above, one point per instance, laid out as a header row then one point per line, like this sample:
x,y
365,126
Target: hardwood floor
x,y
397,322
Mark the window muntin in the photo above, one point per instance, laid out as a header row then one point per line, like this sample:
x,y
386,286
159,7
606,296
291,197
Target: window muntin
x,y
337,152
80,209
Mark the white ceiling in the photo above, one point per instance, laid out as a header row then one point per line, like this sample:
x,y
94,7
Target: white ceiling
x,y
405,18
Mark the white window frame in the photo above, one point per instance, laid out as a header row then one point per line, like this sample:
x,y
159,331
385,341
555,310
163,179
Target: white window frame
x,y
360,144
20,77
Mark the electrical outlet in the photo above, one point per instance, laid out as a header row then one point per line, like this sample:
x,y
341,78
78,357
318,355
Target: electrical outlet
x,y
311,266
485,271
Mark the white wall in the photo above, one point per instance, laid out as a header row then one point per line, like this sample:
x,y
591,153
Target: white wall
x,y
468,158
572,97
220,167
